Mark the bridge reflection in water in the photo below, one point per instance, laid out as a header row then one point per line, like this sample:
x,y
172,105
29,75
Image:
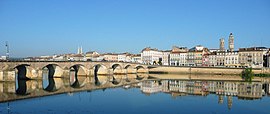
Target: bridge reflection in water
x,y
22,88
225,87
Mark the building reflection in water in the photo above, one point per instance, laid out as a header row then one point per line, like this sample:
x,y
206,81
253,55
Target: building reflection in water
x,y
242,90
225,90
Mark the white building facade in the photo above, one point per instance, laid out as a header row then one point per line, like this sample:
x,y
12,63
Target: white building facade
x,y
231,59
122,57
212,59
151,56
166,57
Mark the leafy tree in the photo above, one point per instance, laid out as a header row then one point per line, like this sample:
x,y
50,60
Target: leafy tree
x,y
247,74
159,62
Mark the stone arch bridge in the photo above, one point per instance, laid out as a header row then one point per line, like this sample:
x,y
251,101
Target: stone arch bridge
x,y
34,69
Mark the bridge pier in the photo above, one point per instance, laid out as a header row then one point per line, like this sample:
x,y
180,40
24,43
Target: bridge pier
x,y
130,71
9,87
142,70
1,88
8,75
91,72
1,76
34,74
65,73
40,73
110,71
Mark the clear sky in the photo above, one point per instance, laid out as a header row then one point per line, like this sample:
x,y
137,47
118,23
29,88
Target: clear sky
x,y
47,27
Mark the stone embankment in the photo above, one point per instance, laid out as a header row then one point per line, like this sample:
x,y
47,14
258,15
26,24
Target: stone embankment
x,y
203,70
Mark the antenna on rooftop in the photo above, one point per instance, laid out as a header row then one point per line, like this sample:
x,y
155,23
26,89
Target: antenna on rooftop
x,y
7,50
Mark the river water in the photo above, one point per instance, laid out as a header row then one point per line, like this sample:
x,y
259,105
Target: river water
x,y
121,94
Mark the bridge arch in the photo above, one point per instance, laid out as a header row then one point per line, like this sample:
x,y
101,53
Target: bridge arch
x,y
54,70
100,74
116,79
79,69
140,69
22,71
130,69
100,69
79,82
130,78
78,75
127,66
117,68
116,65
141,76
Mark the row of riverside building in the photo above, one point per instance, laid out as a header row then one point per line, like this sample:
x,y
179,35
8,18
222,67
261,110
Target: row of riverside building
x,y
256,57
229,89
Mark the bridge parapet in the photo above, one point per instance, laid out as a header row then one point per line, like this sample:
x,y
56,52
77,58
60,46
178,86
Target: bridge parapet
x,y
34,69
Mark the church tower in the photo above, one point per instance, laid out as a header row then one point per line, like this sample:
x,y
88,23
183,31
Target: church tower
x,y
80,50
231,42
221,44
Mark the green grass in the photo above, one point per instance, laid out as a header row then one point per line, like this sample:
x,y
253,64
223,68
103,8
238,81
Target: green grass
x,y
262,75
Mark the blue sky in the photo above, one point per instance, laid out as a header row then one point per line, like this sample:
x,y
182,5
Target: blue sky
x,y
46,27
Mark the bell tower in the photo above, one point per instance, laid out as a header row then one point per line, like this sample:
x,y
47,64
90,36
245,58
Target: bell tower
x,y
221,44
231,42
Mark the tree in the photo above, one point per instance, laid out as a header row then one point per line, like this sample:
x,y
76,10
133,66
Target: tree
x,y
159,62
247,74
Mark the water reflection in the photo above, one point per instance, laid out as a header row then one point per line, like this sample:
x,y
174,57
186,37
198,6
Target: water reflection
x,y
21,87
243,90
224,90
116,79
77,81
20,83
50,83
141,76
101,80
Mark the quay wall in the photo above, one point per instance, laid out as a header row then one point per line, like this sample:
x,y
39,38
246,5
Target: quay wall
x,y
204,70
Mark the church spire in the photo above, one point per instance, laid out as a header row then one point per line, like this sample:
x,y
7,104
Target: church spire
x,y
81,51
78,50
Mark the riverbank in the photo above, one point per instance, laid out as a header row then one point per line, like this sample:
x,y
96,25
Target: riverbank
x,y
203,77
204,70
